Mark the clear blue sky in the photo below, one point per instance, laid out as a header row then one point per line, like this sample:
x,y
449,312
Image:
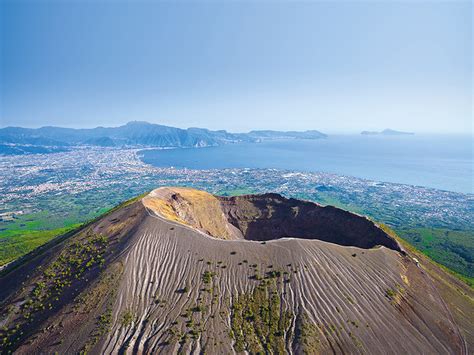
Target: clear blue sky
x,y
332,66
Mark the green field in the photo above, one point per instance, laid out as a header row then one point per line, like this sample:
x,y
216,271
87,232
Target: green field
x,y
453,249
15,243
27,232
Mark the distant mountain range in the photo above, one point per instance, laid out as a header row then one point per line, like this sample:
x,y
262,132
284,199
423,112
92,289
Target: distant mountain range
x,y
386,132
17,140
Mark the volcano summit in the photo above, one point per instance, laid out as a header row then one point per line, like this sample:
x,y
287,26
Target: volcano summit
x,y
181,270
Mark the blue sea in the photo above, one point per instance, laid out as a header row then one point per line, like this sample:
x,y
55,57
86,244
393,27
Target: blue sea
x,y
438,161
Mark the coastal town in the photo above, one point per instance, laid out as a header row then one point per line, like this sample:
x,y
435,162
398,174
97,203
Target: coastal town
x,y
112,175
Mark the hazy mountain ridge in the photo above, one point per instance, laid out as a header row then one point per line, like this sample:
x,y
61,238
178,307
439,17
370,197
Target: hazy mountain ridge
x,y
135,134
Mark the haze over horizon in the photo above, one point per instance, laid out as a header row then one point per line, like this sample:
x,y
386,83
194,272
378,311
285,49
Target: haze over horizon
x,y
335,67
231,131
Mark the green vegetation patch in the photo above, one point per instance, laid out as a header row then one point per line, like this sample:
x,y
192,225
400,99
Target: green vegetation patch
x,y
207,276
259,322
307,335
395,294
127,318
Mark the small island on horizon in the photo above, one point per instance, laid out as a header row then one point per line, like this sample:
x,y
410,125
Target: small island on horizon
x,y
386,132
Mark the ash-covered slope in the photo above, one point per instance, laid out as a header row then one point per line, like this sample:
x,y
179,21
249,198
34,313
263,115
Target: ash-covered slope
x,y
181,270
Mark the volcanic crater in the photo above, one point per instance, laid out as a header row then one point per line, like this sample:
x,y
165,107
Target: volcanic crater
x,y
183,271
265,217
